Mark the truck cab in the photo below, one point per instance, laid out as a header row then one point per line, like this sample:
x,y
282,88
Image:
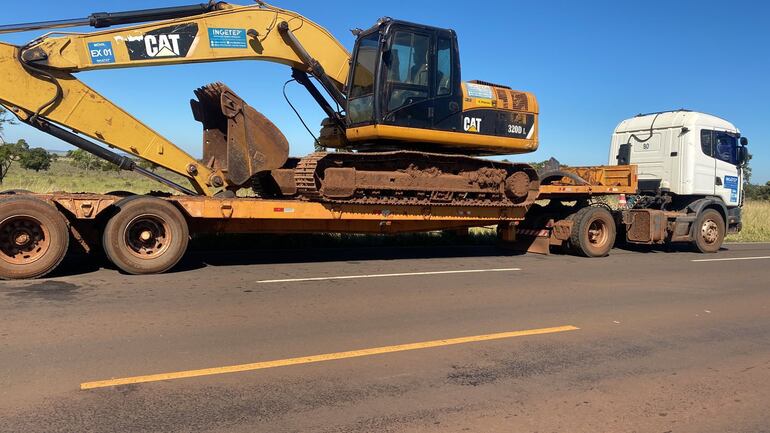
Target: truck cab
x,y
687,159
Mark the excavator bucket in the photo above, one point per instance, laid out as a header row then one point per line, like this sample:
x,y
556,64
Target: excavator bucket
x,y
237,139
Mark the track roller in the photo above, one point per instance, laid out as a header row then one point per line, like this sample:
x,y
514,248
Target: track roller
x,y
34,237
147,235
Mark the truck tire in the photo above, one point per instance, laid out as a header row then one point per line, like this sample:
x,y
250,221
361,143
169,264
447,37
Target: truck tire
x,y
146,236
708,231
593,233
34,237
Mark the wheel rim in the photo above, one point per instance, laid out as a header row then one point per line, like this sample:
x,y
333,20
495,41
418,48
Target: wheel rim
x,y
23,240
598,233
147,236
710,232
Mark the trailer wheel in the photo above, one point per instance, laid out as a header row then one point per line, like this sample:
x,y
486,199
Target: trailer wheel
x,y
33,238
593,233
146,236
709,231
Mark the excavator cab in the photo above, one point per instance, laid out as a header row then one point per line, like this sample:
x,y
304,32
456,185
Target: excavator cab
x,y
404,75
405,91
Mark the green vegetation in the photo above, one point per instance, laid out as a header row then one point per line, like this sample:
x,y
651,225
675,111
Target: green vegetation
x,y
758,192
67,174
9,154
756,223
36,159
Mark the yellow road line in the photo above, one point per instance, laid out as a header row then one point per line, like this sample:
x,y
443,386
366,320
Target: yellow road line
x,y
320,358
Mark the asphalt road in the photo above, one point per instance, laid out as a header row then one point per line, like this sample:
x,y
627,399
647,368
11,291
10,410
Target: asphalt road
x,y
657,342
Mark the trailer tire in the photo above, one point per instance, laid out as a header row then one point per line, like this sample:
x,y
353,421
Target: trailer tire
x,y
147,235
593,233
34,238
708,231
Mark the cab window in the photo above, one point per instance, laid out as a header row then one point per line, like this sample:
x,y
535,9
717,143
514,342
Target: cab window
x,y
705,142
361,99
726,147
720,145
408,73
444,67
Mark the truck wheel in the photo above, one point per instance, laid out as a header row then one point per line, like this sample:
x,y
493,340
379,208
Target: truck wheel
x,y
33,237
709,231
593,233
146,236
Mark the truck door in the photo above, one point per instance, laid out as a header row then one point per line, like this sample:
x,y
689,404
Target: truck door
x,y
721,165
727,176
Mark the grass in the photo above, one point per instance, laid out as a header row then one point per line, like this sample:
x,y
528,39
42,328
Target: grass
x,y
64,177
756,223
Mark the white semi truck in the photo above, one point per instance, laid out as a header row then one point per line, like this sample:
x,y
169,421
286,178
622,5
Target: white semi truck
x,y
690,167
688,184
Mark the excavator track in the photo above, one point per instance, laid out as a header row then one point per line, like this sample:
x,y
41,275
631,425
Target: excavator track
x,y
305,176
413,178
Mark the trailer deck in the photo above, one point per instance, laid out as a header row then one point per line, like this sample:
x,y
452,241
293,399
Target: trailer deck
x,y
159,221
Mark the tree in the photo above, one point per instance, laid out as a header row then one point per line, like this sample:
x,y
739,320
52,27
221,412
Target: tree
x,y
87,161
4,120
84,160
10,153
747,169
36,159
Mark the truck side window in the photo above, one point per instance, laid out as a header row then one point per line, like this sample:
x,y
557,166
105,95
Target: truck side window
x,y
706,142
720,145
725,147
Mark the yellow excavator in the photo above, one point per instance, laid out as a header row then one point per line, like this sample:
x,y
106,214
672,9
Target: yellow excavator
x,y
405,126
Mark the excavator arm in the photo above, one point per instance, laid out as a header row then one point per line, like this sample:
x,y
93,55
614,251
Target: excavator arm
x,y
38,85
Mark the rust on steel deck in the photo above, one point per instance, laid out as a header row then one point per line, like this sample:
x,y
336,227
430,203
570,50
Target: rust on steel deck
x,y
243,214
600,180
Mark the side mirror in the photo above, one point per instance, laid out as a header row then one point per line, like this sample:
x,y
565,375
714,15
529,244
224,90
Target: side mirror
x,y
744,141
743,154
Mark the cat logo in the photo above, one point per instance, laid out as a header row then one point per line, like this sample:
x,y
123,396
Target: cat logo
x,y
164,43
472,124
161,45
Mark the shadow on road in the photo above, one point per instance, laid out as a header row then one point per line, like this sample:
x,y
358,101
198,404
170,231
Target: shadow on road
x,y
243,250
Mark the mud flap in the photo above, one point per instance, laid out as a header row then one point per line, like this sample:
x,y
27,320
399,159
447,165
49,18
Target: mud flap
x,y
533,241
537,241
237,139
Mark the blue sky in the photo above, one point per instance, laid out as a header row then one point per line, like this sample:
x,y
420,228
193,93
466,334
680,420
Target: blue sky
x,y
591,64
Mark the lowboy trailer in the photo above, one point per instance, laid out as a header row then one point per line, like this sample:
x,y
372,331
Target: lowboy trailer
x,y
145,234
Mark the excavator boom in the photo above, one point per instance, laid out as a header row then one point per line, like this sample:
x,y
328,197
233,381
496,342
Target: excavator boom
x,y
38,85
402,106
